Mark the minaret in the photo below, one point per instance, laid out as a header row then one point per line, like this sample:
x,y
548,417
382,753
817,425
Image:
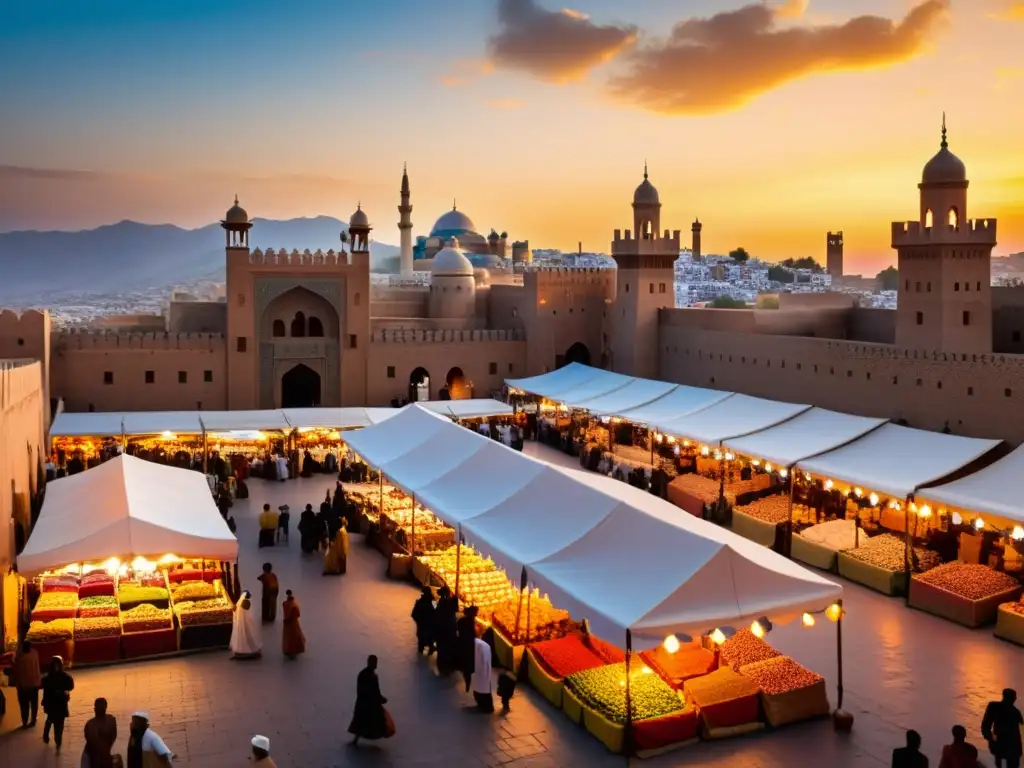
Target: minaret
x,y
405,227
695,231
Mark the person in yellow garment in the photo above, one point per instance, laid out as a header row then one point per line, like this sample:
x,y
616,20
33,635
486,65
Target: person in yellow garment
x,y
268,526
336,559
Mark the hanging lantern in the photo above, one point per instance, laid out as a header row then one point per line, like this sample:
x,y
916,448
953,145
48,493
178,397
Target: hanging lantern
x,y
1018,533
767,466
756,629
671,644
979,524
924,512
858,492
783,473
873,498
957,518
834,612
808,620
718,637
828,485
729,456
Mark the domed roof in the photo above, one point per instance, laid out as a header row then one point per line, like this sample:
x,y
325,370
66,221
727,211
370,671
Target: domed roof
x,y
359,218
646,194
452,223
236,214
944,167
451,261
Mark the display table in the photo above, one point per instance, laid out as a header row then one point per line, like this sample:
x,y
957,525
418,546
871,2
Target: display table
x,y
885,581
1010,625
783,707
155,642
661,734
612,735
724,699
572,706
686,499
949,605
758,531
811,553
508,656
549,687
97,650
63,648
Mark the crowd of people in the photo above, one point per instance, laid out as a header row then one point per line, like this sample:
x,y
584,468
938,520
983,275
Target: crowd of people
x,y
1001,727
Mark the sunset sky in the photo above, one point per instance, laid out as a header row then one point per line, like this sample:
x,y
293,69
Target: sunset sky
x,y
772,122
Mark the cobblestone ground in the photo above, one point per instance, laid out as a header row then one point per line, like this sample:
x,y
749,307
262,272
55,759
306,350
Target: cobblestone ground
x,y
904,669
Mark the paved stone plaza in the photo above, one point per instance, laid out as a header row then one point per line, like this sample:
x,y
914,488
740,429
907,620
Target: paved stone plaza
x,y
904,669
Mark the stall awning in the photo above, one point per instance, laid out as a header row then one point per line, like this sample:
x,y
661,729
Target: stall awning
x,y
681,401
555,385
730,418
636,394
621,558
327,418
898,460
477,408
603,385
654,571
157,422
126,508
86,425
240,421
812,432
995,490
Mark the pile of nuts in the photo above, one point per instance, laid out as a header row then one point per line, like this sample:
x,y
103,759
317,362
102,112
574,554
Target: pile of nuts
x,y
1017,607
780,675
884,551
771,509
744,648
703,488
975,582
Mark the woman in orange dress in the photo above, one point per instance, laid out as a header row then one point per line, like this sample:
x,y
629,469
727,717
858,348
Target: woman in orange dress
x,y
293,641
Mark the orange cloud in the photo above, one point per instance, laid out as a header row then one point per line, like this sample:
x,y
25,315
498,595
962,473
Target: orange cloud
x,y
557,46
465,71
790,9
719,63
1014,11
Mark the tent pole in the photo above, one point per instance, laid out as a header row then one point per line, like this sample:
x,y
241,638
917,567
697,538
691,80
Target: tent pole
x,y
380,477
627,741
205,451
650,434
841,720
458,559
906,548
519,615
789,525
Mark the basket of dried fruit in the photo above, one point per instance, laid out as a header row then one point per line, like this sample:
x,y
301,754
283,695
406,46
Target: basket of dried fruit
x,y
759,521
879,563
676,668
745,648
725,699
204,623
55,605
1010,622
193,590
789,692
95,607
52,638
549,662
97,640
131,594
967,593
147,631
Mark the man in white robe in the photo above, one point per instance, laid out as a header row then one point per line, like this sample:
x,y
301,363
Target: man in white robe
x,y
246,642
481,679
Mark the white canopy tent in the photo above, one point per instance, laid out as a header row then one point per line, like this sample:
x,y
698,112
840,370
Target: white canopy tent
x,y
637,393
808,434
898,460
86,425
679,402
558,382
478,408
619,557
327,418
600,386
126,508
244,421
995,490
729,418
157,422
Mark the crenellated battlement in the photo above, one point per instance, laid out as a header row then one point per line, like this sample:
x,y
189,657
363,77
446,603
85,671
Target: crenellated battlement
x,y
432,336
294,258
109,340
624,243
980,232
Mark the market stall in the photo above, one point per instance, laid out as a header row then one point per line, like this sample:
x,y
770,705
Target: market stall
x,y
81,440
984,520
872,482
776,450
556,384
573,537
100,596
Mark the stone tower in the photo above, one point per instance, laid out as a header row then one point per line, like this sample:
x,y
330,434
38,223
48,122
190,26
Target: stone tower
x,y
695,242
405,228
834,255
644,285
359,231
944,261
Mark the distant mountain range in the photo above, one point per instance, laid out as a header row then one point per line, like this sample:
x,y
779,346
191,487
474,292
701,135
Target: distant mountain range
x,y
38,266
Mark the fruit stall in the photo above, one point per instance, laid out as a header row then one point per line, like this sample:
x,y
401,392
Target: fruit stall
x,y
669,608
875,480
103,584
982,518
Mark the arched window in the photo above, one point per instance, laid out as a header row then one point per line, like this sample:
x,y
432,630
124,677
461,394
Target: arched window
x,y
278,328
299,325
953,217
316,328
929,219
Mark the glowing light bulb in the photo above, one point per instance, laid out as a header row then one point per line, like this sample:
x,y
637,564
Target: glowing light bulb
x,y
783,473
1018,533
756,629
646,671
858,492
834,612
979,524
873,498
718,637
169,559
756,462
730,456
957,518
828,485
686,443
924,512
167,435
111,565
808,620
807,476
671,644
767,466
